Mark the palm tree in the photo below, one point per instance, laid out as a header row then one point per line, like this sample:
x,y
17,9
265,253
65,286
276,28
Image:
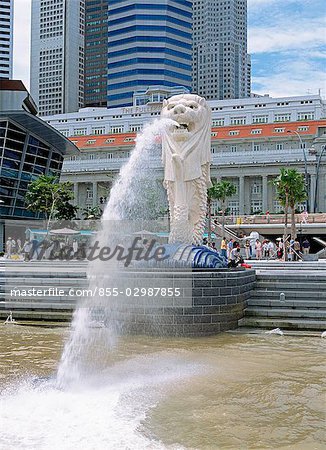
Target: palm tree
x,y
219,191
291,190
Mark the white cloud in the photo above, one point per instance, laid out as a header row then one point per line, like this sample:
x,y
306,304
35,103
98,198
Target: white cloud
x,y
22,26
257,4
287,35
297,79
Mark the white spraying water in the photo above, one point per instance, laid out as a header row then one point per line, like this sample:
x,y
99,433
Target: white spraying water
x,y
104,412
127,199
95,402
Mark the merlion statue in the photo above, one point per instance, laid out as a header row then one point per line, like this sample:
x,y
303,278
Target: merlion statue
x,y
186,154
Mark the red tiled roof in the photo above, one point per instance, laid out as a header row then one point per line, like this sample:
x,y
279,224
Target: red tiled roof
x,y
218,133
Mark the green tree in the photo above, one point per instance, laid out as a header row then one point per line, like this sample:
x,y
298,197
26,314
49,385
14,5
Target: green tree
x,y
220,191
51,198
291,190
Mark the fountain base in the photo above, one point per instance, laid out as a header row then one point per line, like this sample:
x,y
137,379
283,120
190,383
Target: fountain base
x,y
212,301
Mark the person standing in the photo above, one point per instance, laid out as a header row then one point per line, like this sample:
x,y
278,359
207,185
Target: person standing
x,y
266,249
271,249
248,249
306,246
258,247
9,247
296,248
280,249
230,246
224,247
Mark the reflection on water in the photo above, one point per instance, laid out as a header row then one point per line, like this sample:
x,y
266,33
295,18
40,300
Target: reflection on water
x,y
223,392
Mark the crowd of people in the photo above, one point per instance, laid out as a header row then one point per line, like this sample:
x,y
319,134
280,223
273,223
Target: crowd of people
x,y
235,251
34,248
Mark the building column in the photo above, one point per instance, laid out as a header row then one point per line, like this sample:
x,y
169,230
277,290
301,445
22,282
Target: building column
x,y
312,189
265,194
241,195
95,201
76,193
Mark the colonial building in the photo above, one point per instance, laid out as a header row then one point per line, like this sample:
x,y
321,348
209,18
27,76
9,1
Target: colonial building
x,y
248,155
147,105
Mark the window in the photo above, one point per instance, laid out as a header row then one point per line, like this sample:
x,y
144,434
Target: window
x,y
256,187
91,141
234,132
279,130
218,122
280,146
233,148
128,139
238,120
256,147
135,128
282,117
306,116
302,128
257,131
117,130
277,207
80,131
256,206
260,119
98,130
233,206
109,141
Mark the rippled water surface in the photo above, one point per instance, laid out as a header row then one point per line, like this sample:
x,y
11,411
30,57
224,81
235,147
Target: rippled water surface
x,y
223,392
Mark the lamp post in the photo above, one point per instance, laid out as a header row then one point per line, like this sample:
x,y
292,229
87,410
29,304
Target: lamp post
x,y
305,166
323,149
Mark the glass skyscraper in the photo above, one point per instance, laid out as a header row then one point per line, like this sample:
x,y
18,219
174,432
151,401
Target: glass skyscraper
x,y
96,53
6,38
221,65
149,43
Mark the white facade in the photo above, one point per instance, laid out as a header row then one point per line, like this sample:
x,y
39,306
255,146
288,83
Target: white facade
x,y
6,38
221,66
246,111
57,55
250,162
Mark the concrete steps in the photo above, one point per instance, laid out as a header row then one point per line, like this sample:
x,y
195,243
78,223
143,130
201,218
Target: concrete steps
x,y
317,314
40,276
283,324
290,299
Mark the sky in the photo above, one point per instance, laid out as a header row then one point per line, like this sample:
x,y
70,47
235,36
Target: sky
x,y
286,40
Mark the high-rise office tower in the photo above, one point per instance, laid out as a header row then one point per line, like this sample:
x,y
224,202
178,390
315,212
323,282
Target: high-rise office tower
x,y
149,43
57,55
96,53
221,65
6,38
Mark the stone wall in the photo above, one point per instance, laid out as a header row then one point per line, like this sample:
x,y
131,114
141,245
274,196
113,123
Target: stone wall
x,y
212,301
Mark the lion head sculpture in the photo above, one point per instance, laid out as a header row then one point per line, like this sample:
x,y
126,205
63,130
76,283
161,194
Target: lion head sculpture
x,y
186,156
190,137
190,111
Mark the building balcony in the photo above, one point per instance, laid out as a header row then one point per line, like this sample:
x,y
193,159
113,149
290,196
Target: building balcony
x,y
243,157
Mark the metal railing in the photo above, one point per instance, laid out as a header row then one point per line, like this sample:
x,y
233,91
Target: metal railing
x,y
272,219
218,159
